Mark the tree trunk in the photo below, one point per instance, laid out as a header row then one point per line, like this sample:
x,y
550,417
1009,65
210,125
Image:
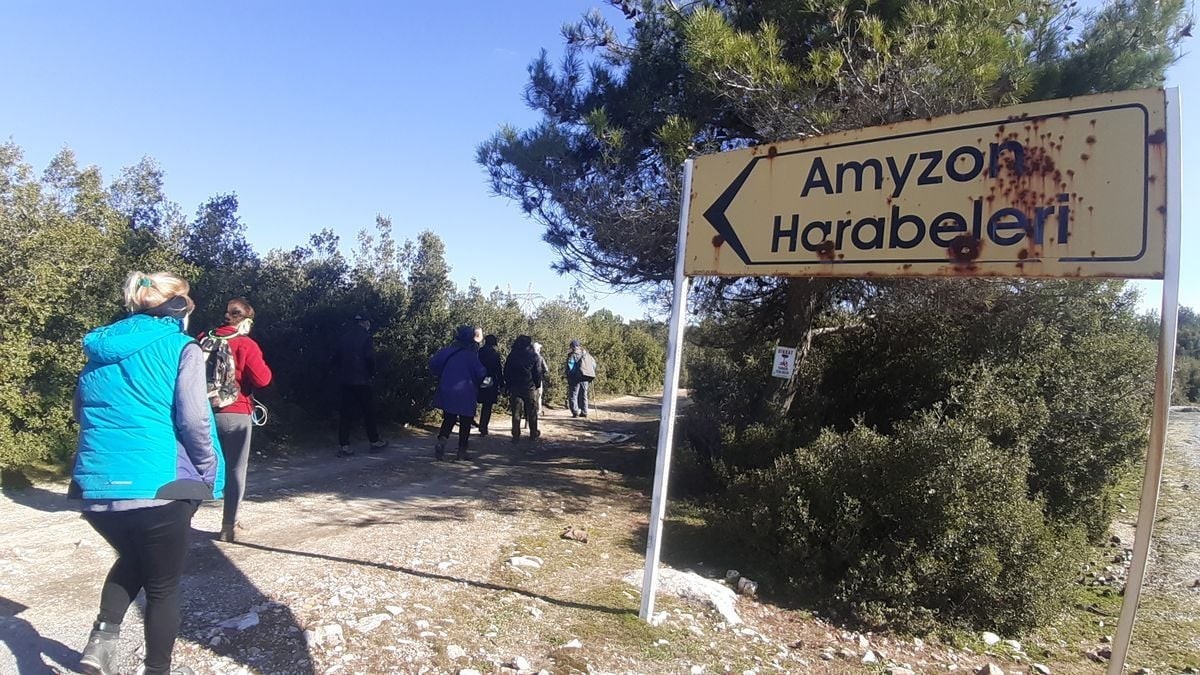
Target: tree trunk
x,y
805,297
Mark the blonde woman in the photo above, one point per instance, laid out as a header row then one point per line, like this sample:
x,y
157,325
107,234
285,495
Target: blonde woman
x,y
147,456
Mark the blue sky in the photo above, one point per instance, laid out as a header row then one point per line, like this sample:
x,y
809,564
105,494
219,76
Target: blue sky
x,y
324,115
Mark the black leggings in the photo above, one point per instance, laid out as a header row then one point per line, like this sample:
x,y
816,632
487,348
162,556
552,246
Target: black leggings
x,y
150,545
464,427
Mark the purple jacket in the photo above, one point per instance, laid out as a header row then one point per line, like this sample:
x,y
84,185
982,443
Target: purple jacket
x,y
459,373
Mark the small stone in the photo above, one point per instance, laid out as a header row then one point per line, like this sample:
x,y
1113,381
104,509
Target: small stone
x,y
573,644
454,652
846,653
990,639
521,663
697,670
421,624
796,644
1143,671
469,671
1104,652
989,669
370,623
659,618
1013,645
862,641
394,610
1114,539
918,643
1041,669
526,561
870,657
731,576
827,655
747,587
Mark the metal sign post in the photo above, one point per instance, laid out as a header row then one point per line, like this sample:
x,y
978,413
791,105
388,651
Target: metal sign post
x,y
666,428
1163,382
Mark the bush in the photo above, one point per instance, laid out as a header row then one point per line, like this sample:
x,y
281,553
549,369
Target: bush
x,y
930,523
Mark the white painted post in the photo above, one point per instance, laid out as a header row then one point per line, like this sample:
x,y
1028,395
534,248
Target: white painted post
x,y
1163,383
666,429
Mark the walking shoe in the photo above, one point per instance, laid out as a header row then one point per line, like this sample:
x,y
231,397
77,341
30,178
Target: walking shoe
x,y
345,451
229,532
462,455
100,655
583,414
483,432
377,447
536,435
439,449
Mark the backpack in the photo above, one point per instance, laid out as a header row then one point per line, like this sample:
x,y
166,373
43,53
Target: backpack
x,y
220,370
587,367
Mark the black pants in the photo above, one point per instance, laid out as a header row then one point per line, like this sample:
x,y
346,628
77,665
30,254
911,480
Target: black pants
x,y
150,545
464,428
356,398
485,416
526,400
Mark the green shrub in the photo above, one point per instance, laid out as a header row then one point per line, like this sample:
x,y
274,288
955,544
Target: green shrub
x,y
932,522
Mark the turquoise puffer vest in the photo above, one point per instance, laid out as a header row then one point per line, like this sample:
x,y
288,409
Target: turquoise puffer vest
x,y
127,443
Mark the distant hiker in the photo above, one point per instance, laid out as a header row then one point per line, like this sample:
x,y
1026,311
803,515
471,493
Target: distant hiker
x,y
230,392
537,349
580,370
493,382
356,367
523,375
148,453
459,374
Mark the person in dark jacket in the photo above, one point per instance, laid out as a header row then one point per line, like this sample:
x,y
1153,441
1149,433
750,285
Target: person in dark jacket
x,y
356,367
579,369
523,374
493,382
459,374
234,420
148,453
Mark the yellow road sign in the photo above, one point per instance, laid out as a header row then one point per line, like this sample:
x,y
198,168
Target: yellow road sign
x,y
1067,188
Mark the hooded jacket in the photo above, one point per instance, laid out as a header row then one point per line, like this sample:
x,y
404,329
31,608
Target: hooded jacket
x,y
141,436
459,373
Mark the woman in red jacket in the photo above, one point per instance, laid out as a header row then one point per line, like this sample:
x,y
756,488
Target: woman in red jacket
x,y
234,419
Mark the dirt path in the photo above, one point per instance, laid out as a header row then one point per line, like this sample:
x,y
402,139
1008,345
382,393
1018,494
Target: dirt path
x,y
327,538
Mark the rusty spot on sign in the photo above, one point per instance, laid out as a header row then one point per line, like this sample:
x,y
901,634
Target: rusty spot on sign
x,y
1091,140
1085,157
1162,210
772,151
1023,254
718,240
1157,137
964,248
825,250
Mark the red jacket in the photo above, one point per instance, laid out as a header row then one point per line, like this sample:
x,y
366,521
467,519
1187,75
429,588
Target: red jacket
x,y
252,370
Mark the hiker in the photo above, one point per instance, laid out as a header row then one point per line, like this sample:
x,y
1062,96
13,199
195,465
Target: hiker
x,y
459,374
493,382
537,349
580,370
147,455
356,367
523,375
235,406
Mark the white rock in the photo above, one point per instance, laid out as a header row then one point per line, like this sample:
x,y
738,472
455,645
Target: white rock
x,y
530,561
421,624
695,589
918,643
989,669
454,652
573,644
659,618
426,634
697,670
535,612
870,657
331,633
1041,669
990,639
1013,645
521,663
469,671
862,641
394,610
241,622
312,638
370,623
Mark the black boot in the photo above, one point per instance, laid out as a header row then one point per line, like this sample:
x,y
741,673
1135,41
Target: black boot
x,y
100,655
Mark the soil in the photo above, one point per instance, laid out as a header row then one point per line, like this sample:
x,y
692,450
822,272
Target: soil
x,y
396,563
